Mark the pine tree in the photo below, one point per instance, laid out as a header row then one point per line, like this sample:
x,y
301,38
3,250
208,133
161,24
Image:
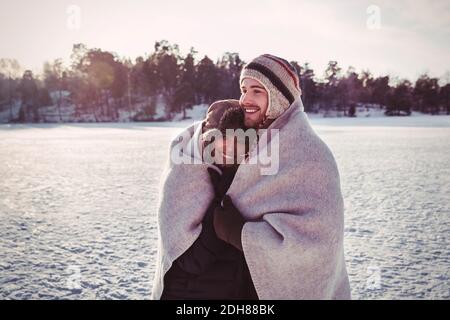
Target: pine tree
x,y
400,99
207,81
426,93
184,96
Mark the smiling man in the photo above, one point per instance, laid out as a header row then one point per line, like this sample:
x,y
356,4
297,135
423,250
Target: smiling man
x,y
254,100
290,225
269,85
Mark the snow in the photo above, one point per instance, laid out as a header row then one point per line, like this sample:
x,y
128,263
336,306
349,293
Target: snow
x,y
6,113
198,112
367,115
415,120
78,201
56,95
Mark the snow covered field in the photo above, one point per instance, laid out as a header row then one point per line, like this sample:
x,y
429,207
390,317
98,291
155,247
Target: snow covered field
x,y
77,206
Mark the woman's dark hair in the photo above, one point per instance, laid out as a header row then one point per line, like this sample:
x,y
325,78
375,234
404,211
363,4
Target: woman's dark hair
x,y
233,118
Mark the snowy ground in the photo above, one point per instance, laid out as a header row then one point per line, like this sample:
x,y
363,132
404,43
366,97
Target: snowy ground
x,y
77,206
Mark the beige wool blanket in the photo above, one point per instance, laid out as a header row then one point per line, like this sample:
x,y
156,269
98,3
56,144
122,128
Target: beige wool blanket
x,y
293,237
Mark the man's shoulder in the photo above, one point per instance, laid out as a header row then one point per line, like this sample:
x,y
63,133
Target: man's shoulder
x,y
299,139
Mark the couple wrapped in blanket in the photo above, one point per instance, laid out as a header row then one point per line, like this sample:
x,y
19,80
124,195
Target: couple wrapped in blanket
x,y
250,203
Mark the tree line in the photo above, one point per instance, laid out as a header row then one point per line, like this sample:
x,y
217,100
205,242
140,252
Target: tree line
x,y
102,84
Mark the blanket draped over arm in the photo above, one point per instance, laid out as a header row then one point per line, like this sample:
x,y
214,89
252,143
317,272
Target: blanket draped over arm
x,y
185,195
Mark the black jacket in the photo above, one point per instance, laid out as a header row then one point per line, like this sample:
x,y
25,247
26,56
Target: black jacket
x,y
210,268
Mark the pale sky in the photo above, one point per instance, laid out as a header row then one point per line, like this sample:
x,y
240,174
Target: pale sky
x,y
412,38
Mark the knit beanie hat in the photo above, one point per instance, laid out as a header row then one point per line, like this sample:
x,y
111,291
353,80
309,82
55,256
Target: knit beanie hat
x,y
232,116
216,111
278,77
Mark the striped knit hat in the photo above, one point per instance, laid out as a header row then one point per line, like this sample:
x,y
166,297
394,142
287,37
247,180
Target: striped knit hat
x,y
278,77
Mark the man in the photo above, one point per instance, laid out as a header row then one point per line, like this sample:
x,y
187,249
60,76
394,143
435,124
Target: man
x,y
288,224
295,235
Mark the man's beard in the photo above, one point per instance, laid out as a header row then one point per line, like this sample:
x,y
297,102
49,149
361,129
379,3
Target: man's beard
x,y
250,119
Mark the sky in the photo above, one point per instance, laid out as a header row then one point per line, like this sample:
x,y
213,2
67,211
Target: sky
x,y
402,38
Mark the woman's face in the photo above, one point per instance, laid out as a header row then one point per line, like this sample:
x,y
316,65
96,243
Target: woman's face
x,y
229,151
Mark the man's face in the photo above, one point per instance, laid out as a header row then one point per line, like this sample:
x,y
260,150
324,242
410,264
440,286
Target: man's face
x,y
254,99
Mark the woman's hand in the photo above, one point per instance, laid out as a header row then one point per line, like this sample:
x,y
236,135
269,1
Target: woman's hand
x,y
228,223
220,188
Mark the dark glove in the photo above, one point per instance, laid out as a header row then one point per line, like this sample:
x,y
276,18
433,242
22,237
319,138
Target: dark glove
x,y
228,223
220,184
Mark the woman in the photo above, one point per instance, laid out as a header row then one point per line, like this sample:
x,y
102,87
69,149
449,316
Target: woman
x,y
212,268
